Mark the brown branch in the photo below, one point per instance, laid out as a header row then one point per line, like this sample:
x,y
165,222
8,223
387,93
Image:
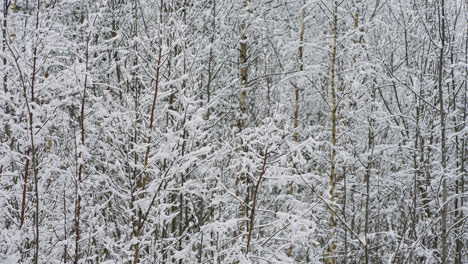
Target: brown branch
x,y
143,187
23,202
81,167
80,155
33,149
252,213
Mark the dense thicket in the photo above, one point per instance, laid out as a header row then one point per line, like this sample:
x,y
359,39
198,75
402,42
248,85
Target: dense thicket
x,y
247,131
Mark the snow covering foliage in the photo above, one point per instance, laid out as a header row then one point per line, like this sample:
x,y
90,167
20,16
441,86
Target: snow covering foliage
x,y
219,131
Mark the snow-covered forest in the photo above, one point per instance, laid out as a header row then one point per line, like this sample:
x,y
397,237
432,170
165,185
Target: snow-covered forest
x,y
234,131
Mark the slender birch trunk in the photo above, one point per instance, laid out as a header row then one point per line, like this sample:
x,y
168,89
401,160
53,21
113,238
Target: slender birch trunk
x,y
296,88
31,130
243,73
242,178
297,98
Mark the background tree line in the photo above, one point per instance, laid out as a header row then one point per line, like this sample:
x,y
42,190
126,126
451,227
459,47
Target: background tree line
x,y
218,131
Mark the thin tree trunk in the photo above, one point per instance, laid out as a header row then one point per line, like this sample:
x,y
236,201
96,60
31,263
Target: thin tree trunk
x,y
33,148
6,5
460,184
243,73
80,155
242,178
332,222
252,213
183,224
210,61
23,201
296,88
296,108
368,174
442,134
65,247
143,183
